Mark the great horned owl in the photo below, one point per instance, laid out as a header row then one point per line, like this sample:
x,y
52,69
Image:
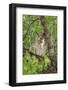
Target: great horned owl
x,y
40,46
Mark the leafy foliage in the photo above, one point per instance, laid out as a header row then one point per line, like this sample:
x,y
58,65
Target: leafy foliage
x,y
32,65
31,31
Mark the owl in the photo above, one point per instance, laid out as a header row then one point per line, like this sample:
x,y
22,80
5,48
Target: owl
x,y
40,47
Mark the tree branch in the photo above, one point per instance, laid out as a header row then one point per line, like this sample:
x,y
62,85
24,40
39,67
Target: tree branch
x,y
38,56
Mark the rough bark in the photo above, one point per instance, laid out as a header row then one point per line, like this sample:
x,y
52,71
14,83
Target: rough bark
x,y
48,38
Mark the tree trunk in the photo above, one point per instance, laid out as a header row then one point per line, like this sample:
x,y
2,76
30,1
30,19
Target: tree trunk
x,y
48,38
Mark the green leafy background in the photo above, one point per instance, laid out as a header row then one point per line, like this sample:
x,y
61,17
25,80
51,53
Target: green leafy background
x,y
30,63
